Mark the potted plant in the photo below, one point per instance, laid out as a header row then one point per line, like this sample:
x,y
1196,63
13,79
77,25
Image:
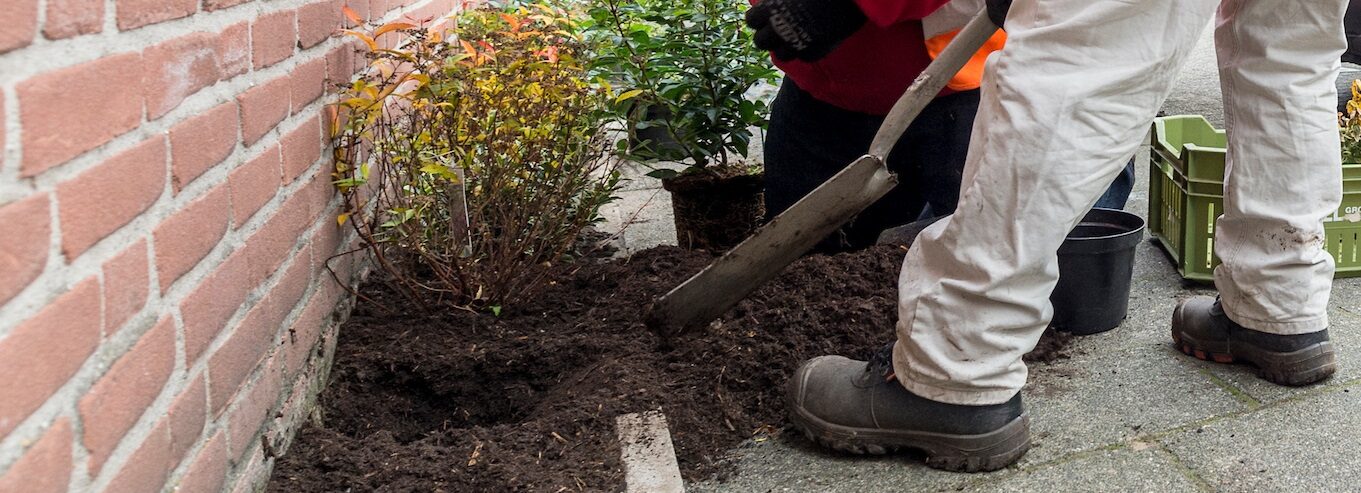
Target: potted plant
x,y
683,71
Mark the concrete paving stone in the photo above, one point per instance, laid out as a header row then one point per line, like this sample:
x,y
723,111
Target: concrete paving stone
x,y
1308,444
1140,467
639,219
1345,330
792,464
1104,395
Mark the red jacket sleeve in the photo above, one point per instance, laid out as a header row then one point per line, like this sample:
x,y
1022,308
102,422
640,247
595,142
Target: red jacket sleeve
x,y
889,12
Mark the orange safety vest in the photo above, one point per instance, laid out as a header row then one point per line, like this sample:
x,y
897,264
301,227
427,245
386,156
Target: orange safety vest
x,y
971,76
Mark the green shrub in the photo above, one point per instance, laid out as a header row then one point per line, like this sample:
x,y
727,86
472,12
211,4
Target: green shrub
x,y
684,66
470,159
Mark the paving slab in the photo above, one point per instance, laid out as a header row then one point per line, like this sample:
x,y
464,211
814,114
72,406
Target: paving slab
x,y
1139,467
1308,443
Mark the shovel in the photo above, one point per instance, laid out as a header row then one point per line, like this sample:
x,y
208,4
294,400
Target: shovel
x,y
759,258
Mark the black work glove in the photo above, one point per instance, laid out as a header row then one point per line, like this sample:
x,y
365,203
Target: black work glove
x,y
997,11
803,29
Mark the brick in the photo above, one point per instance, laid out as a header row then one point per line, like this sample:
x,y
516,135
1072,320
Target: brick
x,y
68,18
324,244
274,241
20,26
242,352
43,352
105,198
317,22
198,144
263,107
132,14
209,468
148,467
318,194
233,50
183,239
359,7
177,69
306,329
273,37
211,5
46,466
119,398
301,148
125,286
23,256
69,111
308,83
252,411
187,416
206,310
254,184
340,63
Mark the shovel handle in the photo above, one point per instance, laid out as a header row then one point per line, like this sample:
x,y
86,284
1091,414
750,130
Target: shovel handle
x,y
927,85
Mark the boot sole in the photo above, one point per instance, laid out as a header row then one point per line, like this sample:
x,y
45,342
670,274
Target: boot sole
x,y
1296,368
959,453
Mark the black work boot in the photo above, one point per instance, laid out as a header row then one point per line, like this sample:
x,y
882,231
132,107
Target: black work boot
x,y
859,407
1201,329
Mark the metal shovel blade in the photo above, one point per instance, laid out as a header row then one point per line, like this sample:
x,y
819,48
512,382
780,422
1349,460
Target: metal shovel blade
x,y
777,244
774,246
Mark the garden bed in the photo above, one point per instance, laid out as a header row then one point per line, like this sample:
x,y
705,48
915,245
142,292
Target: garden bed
x,y
447,400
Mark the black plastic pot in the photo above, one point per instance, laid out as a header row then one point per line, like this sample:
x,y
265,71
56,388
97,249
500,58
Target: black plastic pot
x,y
1096,264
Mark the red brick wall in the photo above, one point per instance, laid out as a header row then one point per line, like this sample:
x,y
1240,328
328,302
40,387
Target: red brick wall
x,y
165,315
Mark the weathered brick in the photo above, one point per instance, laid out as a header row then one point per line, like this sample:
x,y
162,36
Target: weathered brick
x,y
104,198
308,83
20,26
253,184
206,310
249,343
359,7
183,239
46,466
252,411
263,107
317,194
325,242
209,468
340,63
43,352
222,4
233,50
317,21
302,148
122,395
67,18
200,143
125,286
187,416
176,69
23,256
148,467
273,37
132,14
269,246
69,111
306,329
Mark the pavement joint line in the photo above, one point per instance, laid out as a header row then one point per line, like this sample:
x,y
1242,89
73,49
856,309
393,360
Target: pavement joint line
x,y
1239,394
1185,469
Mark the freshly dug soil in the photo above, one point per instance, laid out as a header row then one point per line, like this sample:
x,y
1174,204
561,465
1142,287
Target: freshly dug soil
x,y
717,209
446,400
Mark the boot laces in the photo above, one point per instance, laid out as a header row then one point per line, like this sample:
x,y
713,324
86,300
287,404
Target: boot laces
x,y
881,363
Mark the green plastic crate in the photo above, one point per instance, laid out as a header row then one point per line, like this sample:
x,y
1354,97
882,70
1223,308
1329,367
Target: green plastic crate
x,y
1186,197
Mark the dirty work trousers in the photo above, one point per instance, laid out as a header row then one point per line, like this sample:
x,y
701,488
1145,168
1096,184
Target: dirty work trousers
x,y
1062,109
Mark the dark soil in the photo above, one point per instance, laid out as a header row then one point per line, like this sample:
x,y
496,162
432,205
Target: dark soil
x,y
716,209
446,400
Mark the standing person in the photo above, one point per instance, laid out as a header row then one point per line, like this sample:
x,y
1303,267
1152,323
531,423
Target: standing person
x,y
846,62
1058,118
1351,59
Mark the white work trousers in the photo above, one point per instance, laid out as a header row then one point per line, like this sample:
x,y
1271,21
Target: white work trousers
x,y
1064,106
